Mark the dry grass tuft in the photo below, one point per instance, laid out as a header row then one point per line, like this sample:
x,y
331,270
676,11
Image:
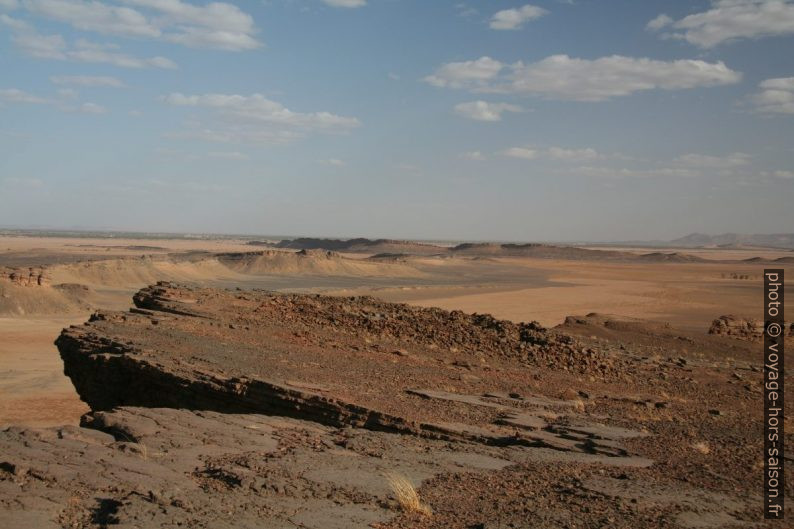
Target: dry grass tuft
x,y
139,446
406,494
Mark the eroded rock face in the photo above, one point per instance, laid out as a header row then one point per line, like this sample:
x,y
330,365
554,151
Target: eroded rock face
x,y
25,277
743,328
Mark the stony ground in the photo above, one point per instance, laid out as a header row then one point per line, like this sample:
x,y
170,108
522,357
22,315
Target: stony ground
x,y
221,408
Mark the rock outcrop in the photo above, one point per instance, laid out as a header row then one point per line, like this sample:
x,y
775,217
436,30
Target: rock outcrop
x,y
743,328
336,361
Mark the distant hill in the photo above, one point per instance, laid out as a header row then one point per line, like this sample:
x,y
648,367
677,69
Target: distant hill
x,y
728,240
543,251
362,245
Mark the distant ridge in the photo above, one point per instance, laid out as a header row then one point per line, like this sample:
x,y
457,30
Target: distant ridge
x,y
733,240
384,249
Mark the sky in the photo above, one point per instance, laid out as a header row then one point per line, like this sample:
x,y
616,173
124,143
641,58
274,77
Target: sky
x,y
578,120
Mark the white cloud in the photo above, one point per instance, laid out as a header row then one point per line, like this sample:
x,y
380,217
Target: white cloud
x,y
517,17
468,74
786,175
55,47
566,78
217,25
485,111
476,156
91,15
9,4
259,108
729,20
346,3
553,153
659,22
776,96
257,119
222,40
733,160
14,95
86,80
333,162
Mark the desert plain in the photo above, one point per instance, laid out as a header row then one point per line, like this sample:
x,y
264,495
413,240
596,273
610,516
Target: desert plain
x,y
303,382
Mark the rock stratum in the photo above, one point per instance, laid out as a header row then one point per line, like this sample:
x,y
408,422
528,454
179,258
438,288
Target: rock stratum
x,y
217,408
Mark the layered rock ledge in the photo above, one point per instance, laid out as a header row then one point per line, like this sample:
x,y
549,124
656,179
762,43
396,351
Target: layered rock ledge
x,y
336,361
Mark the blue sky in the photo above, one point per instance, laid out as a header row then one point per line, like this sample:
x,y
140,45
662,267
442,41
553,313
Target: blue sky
x,y
554,120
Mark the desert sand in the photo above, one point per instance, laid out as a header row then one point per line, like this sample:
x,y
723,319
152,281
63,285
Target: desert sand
x,y
687,295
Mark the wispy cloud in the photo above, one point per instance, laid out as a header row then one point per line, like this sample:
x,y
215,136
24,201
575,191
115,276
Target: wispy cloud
x,y
257,119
